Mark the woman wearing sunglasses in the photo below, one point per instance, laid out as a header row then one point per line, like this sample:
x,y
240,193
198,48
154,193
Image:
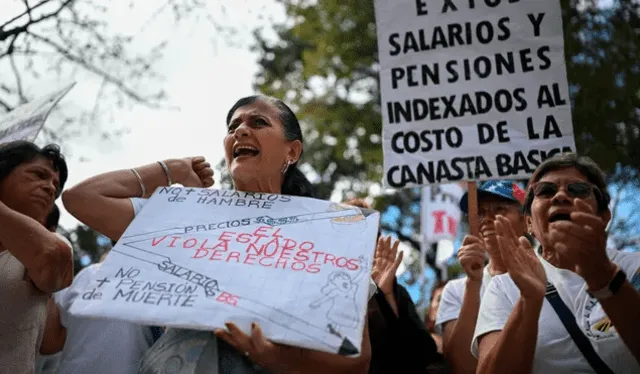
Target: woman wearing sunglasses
x,y
573,307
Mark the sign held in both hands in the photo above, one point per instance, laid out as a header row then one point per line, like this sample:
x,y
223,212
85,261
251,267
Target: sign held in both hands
x,y
197,258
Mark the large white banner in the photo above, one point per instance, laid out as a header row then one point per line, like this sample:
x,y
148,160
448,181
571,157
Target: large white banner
x,y
197,258
26,121
440,212
471,89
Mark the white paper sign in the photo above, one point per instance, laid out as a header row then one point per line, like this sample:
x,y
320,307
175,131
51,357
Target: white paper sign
x,y
26,121
197,258
471,89
440,212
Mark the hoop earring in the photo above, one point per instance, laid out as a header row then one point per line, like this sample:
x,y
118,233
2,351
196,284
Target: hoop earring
x,y
286,166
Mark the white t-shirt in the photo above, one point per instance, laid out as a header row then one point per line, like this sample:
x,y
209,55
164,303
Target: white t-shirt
x,y
555,350
138,203
98,346
451,299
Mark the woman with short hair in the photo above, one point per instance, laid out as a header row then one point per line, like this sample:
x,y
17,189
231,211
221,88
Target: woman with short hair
x,y
574,284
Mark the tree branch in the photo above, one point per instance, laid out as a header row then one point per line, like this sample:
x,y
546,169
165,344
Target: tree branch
x,y
614,210
22,14
26,4
402,236
11,48
622,243
93,69
24,28
96,104
6,106
16,73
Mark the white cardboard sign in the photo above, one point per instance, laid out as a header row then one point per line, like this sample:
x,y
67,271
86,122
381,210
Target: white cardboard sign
x,y
26,121
471,89
197,258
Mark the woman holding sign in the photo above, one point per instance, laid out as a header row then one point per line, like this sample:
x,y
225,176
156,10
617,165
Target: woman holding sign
x,y
574,308
262,147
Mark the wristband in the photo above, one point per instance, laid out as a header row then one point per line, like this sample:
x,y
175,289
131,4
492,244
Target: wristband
x,y
612,288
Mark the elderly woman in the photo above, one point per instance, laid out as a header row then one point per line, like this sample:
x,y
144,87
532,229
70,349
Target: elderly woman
x,y
556,312
262,147
34,262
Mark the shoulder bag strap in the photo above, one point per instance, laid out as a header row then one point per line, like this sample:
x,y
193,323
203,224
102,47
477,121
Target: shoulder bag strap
x,y
569,322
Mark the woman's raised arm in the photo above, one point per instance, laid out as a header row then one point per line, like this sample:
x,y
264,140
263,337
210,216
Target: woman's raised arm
x,y
102,202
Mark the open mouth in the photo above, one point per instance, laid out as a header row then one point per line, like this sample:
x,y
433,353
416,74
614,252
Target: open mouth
x,y
487,233
559,217
245,151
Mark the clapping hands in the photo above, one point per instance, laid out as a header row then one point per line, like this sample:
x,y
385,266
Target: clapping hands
x,y
522,264
581,244
385,265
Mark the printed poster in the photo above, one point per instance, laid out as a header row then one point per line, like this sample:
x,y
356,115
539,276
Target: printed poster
x,y
471,89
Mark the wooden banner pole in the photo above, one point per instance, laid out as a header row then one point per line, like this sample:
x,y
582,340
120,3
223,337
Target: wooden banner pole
x,y
472,209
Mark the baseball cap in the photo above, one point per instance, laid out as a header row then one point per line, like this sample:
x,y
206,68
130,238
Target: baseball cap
x,y
508,190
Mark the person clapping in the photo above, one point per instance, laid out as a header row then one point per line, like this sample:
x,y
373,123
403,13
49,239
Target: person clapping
x,y
574,306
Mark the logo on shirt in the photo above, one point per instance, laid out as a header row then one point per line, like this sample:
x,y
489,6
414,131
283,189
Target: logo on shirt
x,y
597,325
603,325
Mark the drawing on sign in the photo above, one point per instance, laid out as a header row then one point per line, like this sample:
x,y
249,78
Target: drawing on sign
x,y
194,271
355,220
211,286
164,264
341,290
471,91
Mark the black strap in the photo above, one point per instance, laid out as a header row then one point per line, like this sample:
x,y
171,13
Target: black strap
x,y
569,322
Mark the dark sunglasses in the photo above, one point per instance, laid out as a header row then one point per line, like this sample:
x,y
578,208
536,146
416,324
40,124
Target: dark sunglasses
x,y
579,190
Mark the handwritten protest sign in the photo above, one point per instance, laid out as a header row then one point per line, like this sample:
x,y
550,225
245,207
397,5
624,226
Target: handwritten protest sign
x,y
26,121
197,258
471,89
440,212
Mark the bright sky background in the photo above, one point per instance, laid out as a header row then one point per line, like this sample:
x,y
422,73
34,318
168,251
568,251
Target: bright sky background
x,y
203,76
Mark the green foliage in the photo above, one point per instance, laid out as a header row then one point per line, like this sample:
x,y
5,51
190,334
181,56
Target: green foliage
x,y
88,241
325,66
324,62
455,270
88,246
